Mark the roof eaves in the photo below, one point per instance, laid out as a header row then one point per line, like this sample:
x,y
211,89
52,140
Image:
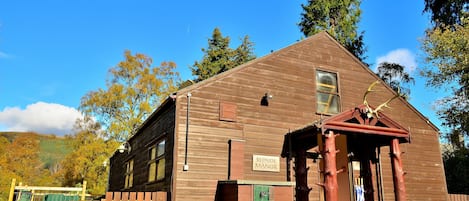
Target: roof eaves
x,y
168,100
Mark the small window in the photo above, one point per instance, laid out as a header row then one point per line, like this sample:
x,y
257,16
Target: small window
x,y
129,174
327,93
157,163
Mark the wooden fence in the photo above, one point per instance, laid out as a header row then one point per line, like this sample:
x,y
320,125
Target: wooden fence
x,y
458,197
135,196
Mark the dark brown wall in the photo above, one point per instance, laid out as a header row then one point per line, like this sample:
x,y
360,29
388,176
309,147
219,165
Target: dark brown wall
x,y
160,125
289,75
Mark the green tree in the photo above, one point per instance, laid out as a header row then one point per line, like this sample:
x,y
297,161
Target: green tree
x,y
134,90
87,160
394,75
447,12
447,53
456,171
339,18
219,57
244,52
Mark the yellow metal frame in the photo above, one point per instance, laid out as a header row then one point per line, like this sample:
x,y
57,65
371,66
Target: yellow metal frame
x,y
331,92
80,190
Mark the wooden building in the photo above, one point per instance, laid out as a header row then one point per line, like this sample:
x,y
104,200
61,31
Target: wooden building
x,y
222,138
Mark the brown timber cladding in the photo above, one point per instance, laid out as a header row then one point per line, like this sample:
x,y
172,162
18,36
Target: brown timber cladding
x,y
158,127
289,76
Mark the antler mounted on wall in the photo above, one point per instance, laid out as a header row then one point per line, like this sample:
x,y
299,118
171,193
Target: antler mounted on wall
x,y
375,113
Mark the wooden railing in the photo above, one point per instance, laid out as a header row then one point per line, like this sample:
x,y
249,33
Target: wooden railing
x,y
135,196
458,197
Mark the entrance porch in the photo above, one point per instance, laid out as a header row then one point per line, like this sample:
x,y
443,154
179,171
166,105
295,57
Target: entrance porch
x,y
359,174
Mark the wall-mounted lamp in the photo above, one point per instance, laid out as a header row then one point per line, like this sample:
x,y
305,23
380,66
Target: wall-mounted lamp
x,y
265,99
124,147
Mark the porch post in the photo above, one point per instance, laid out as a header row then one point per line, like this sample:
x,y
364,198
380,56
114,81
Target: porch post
x,y
397,171
330,167
301,175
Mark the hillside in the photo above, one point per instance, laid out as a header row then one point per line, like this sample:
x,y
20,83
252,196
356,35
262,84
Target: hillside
x,y
52,149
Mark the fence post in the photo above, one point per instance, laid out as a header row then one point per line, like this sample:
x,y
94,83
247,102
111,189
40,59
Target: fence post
x,y
109,196
140,196
136,196
148,196
83,191
12,190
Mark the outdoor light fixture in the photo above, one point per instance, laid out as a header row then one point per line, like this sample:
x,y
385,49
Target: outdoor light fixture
x,y
265,99
124,147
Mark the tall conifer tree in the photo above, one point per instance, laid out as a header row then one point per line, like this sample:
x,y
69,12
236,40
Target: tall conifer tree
x,y
219,57
339,18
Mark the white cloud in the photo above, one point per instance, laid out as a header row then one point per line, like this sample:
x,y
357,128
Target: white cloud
x,y
403,57
47,118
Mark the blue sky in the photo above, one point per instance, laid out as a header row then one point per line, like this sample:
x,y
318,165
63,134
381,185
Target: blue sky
x,y
53,52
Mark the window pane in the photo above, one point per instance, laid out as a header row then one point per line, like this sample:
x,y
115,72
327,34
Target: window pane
x,y
324,99
131,180
152,172
126,185
161,169
131,165
161,147
327,97
326,82
152,153
327,103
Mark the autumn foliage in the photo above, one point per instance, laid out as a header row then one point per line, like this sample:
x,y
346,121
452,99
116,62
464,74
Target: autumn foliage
x,y
134,89
20,158
88,158
76,158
